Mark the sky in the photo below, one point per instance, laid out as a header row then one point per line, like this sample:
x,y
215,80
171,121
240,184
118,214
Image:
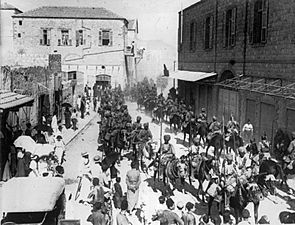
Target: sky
x,y
158,19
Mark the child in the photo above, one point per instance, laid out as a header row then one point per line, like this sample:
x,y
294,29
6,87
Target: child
x,y
118,196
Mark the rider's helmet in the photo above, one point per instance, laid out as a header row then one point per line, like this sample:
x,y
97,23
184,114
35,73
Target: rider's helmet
x,y
196,140
214,118
203,110
138,118
146,125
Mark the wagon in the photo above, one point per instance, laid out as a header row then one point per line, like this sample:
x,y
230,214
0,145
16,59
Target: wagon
x,y
39,200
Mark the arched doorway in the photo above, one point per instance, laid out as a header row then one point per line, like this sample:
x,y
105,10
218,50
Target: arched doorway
x,y
227,74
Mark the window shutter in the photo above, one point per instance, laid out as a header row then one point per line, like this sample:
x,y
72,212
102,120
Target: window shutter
x,y
48,37
224,29
100,37
77,38
250,22
111,38
204,33
195,37
211,33
41,41
264,21
70,41
41,35
233,26
84,36
58,42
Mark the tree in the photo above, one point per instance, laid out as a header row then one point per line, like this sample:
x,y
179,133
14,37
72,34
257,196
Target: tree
x,y
162,82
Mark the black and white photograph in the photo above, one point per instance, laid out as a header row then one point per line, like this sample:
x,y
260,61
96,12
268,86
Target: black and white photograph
x,y
147,112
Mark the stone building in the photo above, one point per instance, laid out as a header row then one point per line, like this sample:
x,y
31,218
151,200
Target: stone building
x,y
90,40
6,30
236,57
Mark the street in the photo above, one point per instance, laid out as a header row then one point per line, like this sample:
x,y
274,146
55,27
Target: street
x,y
149,191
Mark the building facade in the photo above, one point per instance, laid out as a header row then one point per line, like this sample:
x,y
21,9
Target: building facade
x,y
6,30
249,44
90,40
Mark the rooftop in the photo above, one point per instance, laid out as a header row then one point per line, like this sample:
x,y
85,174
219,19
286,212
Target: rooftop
x,y
70,13
7,6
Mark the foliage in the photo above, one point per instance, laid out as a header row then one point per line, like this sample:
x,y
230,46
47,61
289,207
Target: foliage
x,y
162,82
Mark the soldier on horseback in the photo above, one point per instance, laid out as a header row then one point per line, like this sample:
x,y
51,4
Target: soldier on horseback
x,y
244,164
203,116
290,158
232,125
264,147
214,128
229,171
194,157
167,152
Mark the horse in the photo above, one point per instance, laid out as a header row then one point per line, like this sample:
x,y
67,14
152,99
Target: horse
x,y
147,156
243,195
202,174
268,167
139,102
282,140
157,114
202,130
175,120
217,141
190,129
235,141
174,169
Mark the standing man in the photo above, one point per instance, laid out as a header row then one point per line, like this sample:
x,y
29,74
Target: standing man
x,y
188,217
248,132
133,181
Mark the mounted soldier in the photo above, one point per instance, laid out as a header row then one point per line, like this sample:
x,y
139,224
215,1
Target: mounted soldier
x,y
203,116
214,128
232,125
195,158
244,165
290,158
229,172
167,152
264,148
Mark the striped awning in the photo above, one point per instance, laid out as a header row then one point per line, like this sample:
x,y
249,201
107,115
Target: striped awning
x,y
12,100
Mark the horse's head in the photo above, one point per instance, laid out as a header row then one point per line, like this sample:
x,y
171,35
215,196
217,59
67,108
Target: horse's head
x,y
270,184
254,193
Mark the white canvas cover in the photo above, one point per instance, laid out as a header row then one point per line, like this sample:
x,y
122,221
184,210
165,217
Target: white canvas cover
x,y
43,149
28,194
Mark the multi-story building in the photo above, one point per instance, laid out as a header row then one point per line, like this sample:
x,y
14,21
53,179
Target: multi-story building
x,y
6,30
90,40
237,57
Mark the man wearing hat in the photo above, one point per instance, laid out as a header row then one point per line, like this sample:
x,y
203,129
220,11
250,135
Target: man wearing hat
x,y
214,128
144,136
291,153
229,171
243,162
203,116
264,147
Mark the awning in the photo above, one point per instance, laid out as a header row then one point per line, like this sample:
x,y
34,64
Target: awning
x,y
10,100
190,75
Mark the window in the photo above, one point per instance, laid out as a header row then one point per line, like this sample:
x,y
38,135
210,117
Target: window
x,y
79,38
105,37
193,34
20,22
45,40
65,38
260,21
72,75
19,35
208,32
230,27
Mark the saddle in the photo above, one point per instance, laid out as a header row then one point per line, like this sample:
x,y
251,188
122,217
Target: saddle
x,y
165,158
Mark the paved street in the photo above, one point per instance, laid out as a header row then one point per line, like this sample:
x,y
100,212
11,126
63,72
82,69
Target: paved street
x,y
149,192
